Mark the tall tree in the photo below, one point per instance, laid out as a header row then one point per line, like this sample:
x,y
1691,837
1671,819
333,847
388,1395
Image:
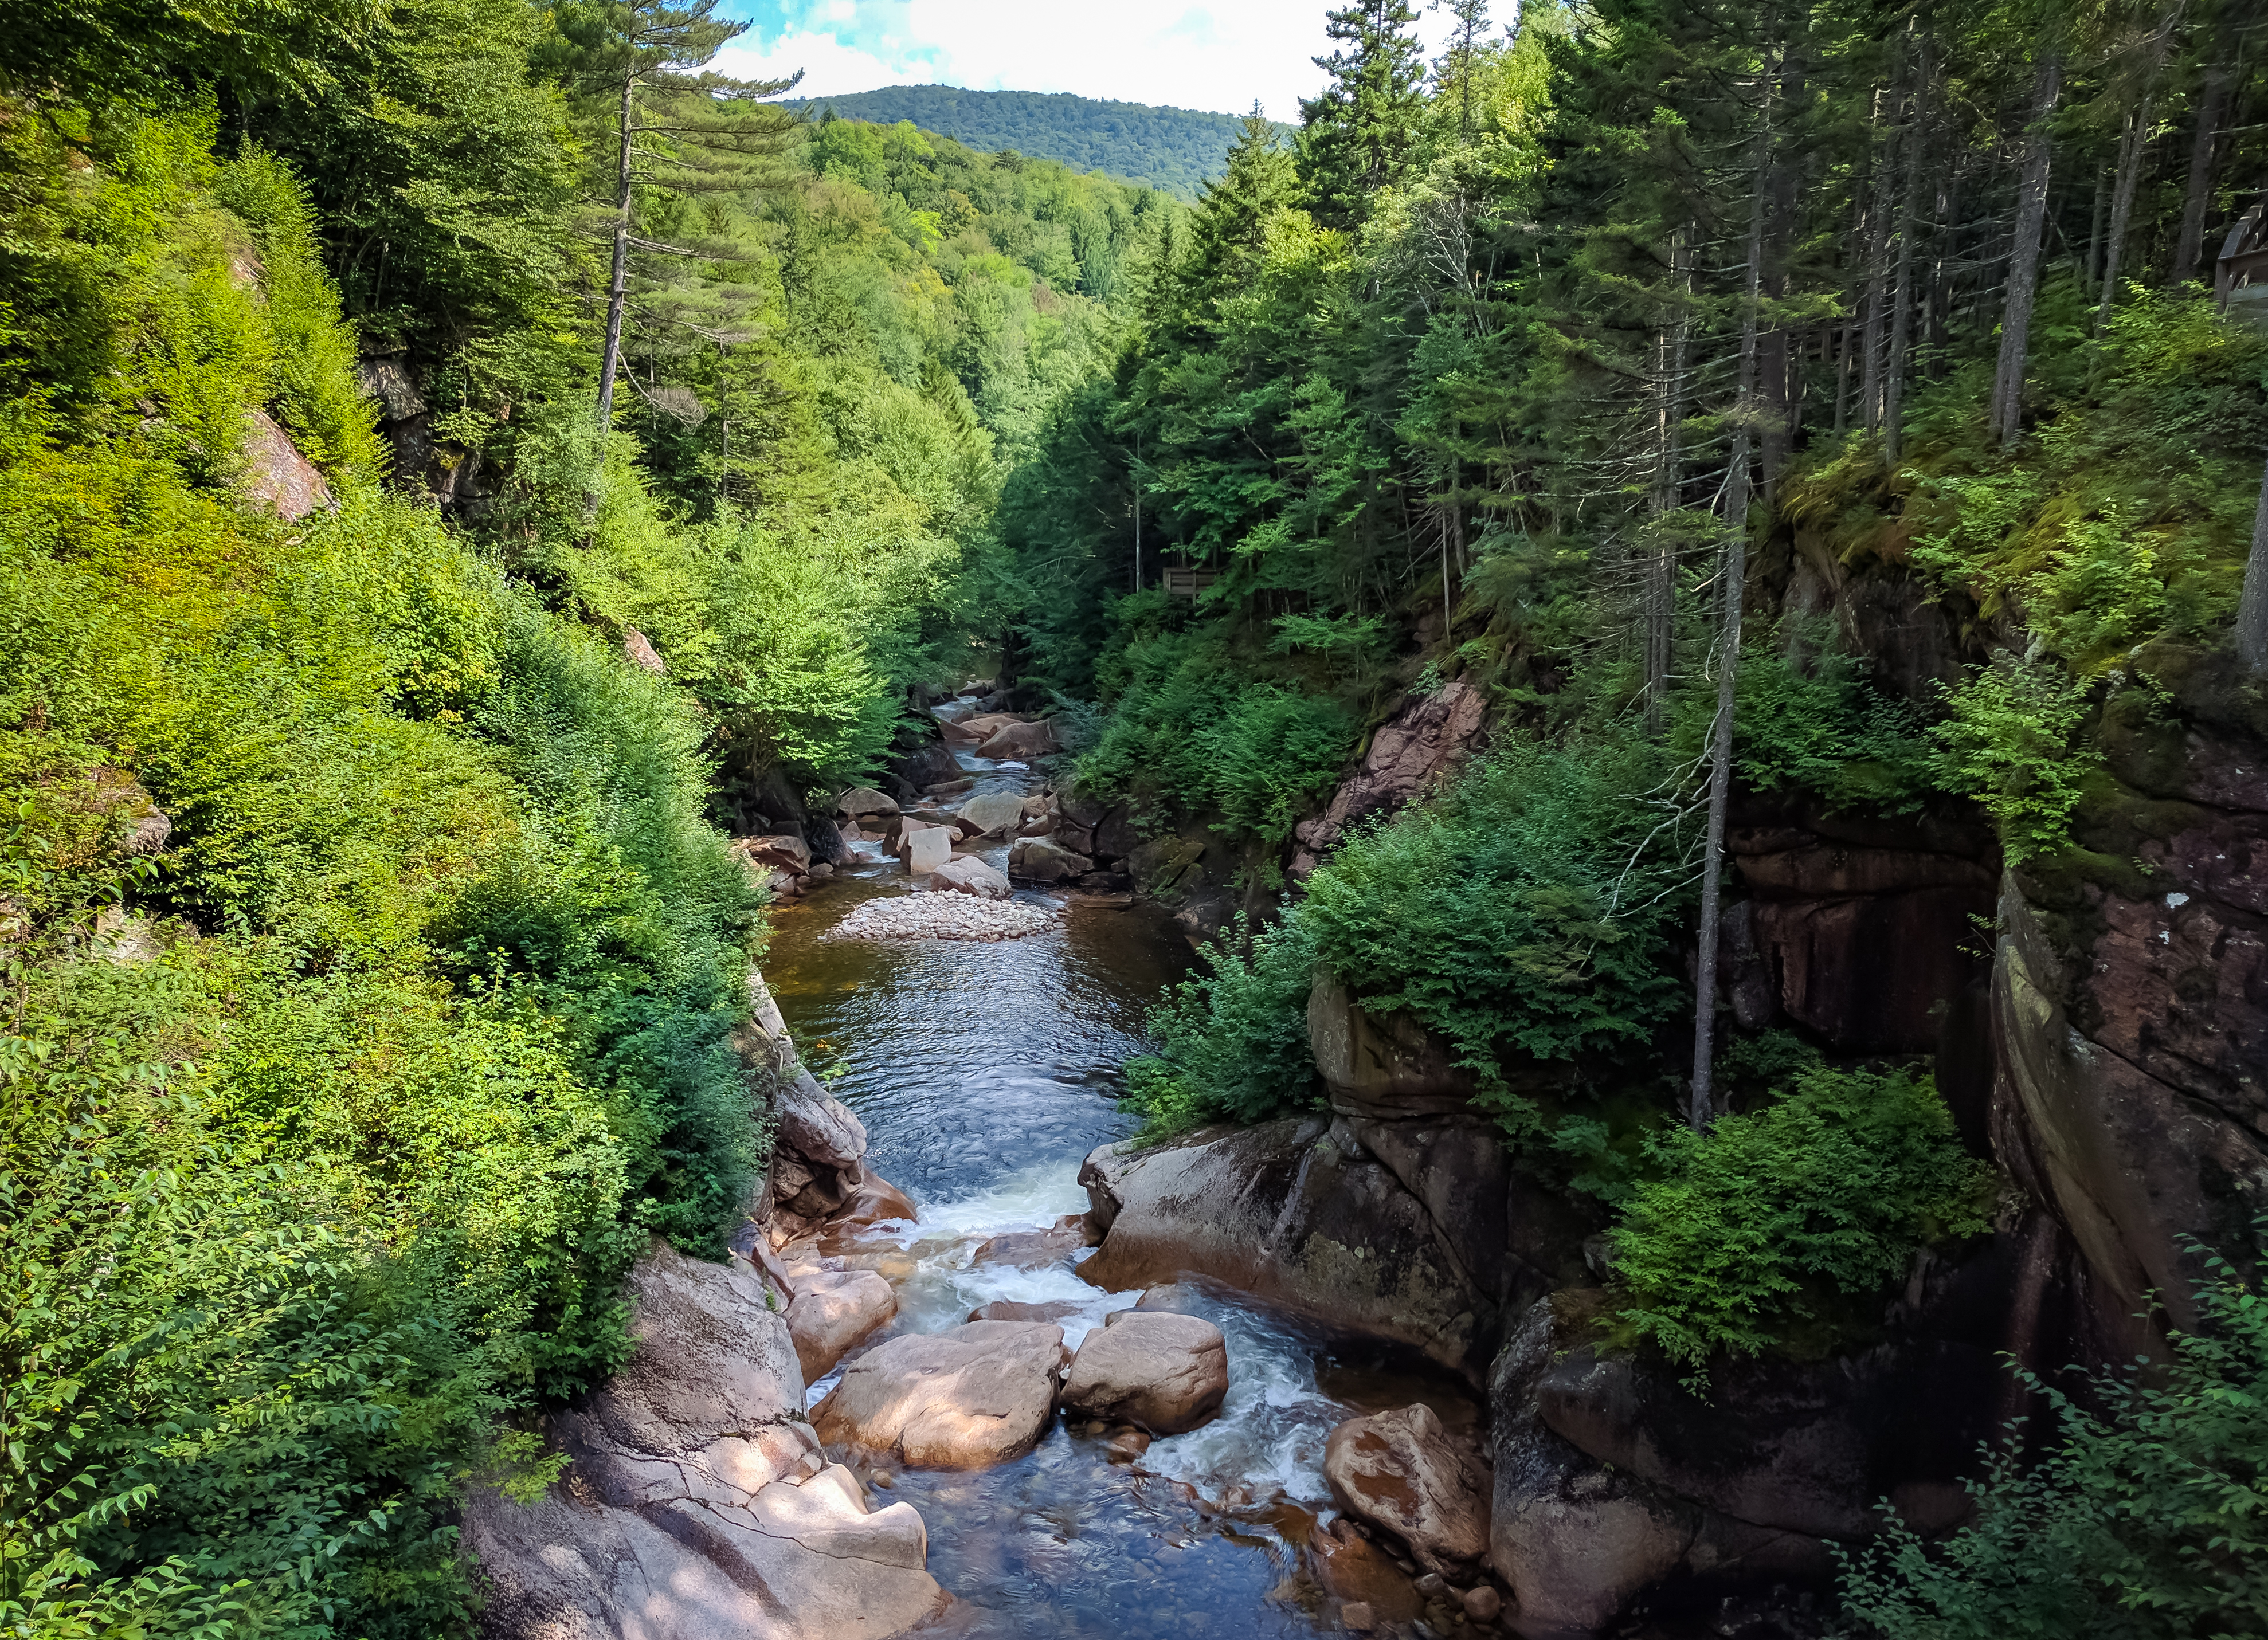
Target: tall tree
x,y
2007,415
2205,143
2137,143
675,126
1360,135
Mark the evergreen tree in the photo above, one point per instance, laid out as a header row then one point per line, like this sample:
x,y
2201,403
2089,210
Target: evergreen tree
x,y
1360,136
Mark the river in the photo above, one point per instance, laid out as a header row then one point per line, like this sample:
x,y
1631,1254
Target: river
x,y
985,1073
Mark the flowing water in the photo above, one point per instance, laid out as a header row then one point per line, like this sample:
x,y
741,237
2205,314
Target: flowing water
x,y
985,1073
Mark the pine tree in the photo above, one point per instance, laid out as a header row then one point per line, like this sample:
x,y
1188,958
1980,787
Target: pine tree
x,y
1361,135
675,128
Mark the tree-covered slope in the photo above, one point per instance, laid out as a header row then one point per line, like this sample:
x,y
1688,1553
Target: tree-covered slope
x,y
1175,150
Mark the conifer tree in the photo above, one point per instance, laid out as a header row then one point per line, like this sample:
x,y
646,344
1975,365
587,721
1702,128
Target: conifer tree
x,y
675,126
1361,135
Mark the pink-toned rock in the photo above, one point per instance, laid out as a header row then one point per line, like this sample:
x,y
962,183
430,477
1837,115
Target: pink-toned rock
x,y
1404,1472
969,875
276,474
977,1395
1043,860
781,852
1155,1369
875,1201
1009,1309
1019,740
1412,751
861,801
832,1312
641,653
924,848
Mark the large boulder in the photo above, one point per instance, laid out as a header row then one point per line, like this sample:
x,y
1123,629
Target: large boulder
x,y
969,875
834,1310
781,851
1404,1471
1155,1369
276,474
1020,741
976,1395
992,814
697,1504
1043,860
1299,1213
924,848
862,803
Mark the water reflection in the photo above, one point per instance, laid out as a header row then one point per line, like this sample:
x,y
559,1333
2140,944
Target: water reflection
x,y
985,1073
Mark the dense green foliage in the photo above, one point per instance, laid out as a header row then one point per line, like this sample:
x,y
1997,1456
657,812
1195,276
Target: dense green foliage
x,y
1761,1228
2144,1521
1175,151
1233,1042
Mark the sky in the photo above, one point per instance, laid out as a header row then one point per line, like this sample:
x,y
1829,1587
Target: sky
x,y
1220,55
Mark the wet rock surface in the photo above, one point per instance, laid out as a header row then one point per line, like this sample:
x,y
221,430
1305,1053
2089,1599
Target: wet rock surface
x,y
978,1394
1162,1372
1404,1472
832,1312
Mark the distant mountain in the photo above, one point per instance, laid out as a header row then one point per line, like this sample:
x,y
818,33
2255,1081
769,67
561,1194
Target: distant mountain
x,y
1172,150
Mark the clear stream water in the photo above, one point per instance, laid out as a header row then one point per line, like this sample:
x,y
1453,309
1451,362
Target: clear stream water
x,y
985,1073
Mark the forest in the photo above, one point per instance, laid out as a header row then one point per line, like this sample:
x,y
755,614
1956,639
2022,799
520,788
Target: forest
x,y
1175,151
376,374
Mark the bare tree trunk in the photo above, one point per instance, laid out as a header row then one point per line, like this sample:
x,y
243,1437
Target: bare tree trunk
x,y
2007,413
1894,389
2212,105
1847,343
2129,167
610,359
1877,247
1734,571
2091,277
1941,275
2252,609
1668,479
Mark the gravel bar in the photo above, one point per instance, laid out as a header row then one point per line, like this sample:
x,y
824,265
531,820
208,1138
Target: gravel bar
x,y
941,916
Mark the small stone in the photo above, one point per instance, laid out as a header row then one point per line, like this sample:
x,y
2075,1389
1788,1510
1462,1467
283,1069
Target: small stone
x,y
1357,1616
884,1479
1433,1585
1127,1444
1483,1603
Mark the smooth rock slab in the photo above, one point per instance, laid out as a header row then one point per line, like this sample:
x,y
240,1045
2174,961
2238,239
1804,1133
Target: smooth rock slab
x,y
969,875
977,1395
1403,1471
834,1310
995,814
1045,860
1155,1369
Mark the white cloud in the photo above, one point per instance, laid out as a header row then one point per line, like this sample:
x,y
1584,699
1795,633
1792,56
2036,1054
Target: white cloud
x,y
1219,55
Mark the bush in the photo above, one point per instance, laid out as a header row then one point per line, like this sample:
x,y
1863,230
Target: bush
x,y
2144,1523
1529,909
2006,741
1766,1225
1233,1044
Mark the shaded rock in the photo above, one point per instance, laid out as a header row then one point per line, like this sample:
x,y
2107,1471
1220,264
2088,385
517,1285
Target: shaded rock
x,y
782,851
1155,1369
860,802
1350,1568
994,814
385,380
1127,1444
985,726
1291,1211
1032,1249
1010,1310
1403,1471
1381,1064
977,1395
641,653
1042,860
833,1311
1019,740
1164,866
969,876
1178,1296
275,473
931,760
697,1504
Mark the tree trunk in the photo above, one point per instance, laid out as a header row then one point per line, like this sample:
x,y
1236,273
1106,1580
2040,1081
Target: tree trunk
x,y
1878,247
1893,388
2130,167
1668,480
610,357
2212,105
2007,413
1734,571
2252,609
1848,343
2091,277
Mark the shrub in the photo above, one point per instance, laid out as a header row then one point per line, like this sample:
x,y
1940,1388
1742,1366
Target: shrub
x,y
1766,1224
1233,1044
2142,1524
1529,908
2006,741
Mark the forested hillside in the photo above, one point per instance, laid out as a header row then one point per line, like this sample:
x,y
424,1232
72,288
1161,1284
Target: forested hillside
x,y
373,950
1692,581
1177,151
